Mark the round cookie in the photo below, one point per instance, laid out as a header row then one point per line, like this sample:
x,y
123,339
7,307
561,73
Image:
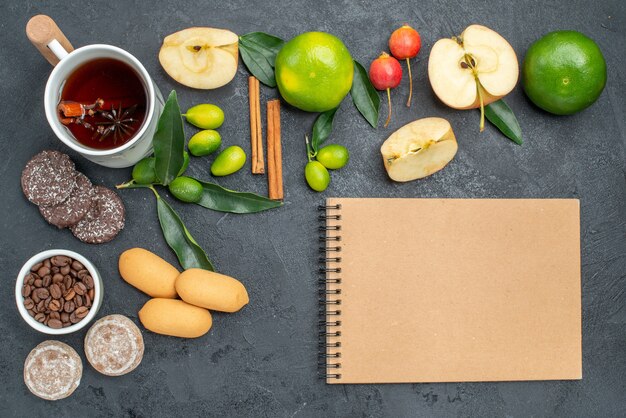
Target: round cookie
x,y
52,370
104,220
48,178
114,345
74,208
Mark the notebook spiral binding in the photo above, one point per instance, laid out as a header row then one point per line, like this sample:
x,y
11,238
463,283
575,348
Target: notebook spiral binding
x,y
329,298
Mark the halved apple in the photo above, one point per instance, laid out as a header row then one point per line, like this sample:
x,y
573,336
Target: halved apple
x,y
202,58
474,69
419,149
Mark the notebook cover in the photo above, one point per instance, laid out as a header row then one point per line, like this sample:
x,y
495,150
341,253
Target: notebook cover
x,y
457,290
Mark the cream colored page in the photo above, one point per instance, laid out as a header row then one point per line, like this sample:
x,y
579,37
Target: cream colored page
x,y
444,290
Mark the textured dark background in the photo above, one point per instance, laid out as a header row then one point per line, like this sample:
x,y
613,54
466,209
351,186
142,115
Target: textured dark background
x,y
262,361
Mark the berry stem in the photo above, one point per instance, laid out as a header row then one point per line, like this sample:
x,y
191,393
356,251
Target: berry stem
x,y
388,107
309,152
408,64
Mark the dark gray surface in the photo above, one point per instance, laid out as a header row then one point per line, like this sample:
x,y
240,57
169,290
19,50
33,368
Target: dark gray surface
x,y
261,361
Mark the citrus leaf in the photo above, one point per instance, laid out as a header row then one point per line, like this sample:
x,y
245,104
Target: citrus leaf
x,y
322,128
224,200
501,115
169,141
364,95
189,253
258,51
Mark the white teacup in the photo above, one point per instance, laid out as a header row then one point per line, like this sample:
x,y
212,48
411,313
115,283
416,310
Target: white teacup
x,y
54,46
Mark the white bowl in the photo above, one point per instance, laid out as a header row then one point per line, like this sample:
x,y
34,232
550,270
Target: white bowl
x,y
95,304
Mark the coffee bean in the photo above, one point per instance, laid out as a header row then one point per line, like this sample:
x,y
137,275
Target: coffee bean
x,y
80,288
69,294
26,290
69,306
55,291
81,312
41,293
43,270
88,280
55,305
55,323
58,292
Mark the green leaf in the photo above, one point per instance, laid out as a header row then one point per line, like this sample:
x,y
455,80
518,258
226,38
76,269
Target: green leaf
x,y
322,128
501,115
189,253
364,95
218,198
169,142
258,51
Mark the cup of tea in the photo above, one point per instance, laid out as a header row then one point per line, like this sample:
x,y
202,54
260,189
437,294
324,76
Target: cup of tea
x,y
99,99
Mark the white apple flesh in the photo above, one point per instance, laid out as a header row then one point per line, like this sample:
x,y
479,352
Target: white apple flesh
x,y
202,58
419,149
479,62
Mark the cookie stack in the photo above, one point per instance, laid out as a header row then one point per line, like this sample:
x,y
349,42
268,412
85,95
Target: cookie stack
x,y
67,199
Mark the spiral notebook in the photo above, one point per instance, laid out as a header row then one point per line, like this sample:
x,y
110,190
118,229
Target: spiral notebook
x,y
450,290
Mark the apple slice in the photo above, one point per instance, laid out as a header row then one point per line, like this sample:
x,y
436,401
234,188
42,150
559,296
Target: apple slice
x,y
202,58
473,70
419,149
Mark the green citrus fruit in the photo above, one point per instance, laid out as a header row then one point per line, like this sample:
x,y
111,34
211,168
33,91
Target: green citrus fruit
x,y
204,142
205,116
143,171
564,72
316,176
333,156
314,71
229,161
186,189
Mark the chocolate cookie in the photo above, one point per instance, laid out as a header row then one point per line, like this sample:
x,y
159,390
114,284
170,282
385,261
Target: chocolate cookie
x,y
52,370
114,345
48,178
74,208
104,220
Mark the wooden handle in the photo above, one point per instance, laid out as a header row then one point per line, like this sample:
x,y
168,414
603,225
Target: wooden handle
x,y
42,30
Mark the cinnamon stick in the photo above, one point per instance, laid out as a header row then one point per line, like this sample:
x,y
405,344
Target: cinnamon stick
x,y
256,142
274,151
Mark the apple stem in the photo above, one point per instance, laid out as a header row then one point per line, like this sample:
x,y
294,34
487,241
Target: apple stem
x,y
388,107
482,105
408,64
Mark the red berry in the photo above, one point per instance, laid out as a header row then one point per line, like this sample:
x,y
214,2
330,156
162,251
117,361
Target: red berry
x,y
385,72
405,42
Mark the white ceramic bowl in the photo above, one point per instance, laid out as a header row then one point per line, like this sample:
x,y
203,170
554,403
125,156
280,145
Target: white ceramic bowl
x,y
95,304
